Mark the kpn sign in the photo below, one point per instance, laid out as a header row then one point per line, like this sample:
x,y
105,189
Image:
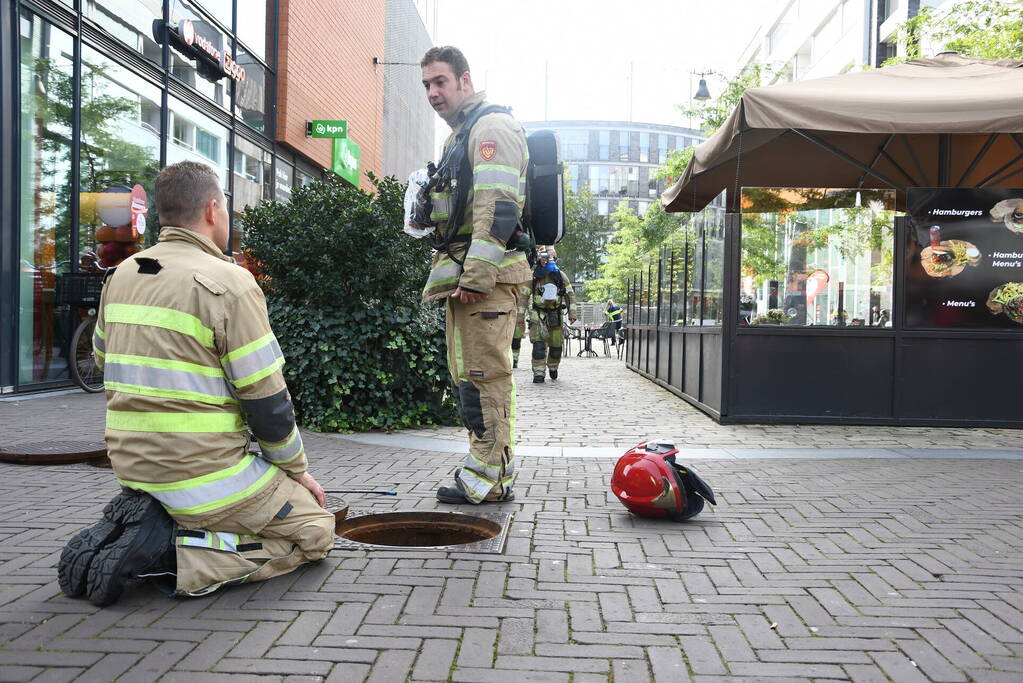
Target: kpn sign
x,y
346,160
327,129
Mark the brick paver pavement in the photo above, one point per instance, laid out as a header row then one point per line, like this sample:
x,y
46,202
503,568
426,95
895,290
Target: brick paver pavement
x,y
597,402
811,569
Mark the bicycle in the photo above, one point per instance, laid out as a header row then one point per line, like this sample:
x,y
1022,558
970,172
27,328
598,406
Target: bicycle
x,y
79,290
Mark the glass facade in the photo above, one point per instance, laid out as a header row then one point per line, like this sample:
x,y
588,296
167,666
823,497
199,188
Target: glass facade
x,y
817,257
95,130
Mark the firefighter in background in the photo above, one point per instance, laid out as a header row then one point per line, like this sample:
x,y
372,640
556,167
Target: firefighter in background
x,y
551,297
520,324
478,274
190,367
614,314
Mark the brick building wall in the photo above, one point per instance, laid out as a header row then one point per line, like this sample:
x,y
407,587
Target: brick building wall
x,y
325,71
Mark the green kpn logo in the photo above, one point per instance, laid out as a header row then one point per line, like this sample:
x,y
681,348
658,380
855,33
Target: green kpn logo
x,y
320,128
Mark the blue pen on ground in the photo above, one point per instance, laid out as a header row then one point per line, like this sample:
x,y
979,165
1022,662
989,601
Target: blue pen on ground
x,y
382,492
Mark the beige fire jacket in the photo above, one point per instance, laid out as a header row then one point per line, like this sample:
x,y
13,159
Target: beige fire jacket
x,y
498,154
190,365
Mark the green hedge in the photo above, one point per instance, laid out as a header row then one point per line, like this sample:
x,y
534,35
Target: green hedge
x,y
343,282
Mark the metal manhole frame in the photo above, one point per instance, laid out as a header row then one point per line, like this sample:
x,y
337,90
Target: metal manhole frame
x,y
56,452
490,546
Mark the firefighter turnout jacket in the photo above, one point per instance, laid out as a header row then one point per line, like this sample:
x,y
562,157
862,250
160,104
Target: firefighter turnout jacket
x,y
189,358
497,151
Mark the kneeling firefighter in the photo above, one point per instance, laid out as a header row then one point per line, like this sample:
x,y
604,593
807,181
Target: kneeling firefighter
x,y
190,366
552,296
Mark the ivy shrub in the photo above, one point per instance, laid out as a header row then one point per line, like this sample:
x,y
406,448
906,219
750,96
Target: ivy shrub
x,y
343,284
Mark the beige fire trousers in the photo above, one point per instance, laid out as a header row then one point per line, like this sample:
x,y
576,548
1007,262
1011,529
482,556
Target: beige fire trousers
x,y
479,340
272,536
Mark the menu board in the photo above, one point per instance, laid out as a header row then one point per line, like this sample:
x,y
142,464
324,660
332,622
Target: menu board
x,y
964,258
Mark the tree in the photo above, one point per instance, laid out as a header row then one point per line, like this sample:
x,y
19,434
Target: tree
x,y
632,248
992,29
581,251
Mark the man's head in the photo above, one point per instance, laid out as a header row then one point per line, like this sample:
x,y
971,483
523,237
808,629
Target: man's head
x,y
610,302
447,80
188,195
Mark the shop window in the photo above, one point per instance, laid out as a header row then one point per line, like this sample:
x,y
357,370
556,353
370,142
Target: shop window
x,y
679,260
46,79
130,21
189,69
694,281
251,93
714,268
304,178
815,256
252,174
285,178
252,27
120,157
208,145
221,9
664,290
196,137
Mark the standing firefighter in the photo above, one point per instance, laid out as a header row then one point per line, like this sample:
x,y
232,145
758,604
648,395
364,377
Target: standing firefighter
x,y
552,295
520,323
477,194
191,365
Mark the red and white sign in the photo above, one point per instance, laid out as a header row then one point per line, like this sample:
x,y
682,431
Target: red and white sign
x,y
139,209
199,42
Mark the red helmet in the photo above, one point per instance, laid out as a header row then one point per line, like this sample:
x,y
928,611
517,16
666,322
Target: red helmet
x,y
650,483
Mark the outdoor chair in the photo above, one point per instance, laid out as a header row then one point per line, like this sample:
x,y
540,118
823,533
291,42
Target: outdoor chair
x,y
569,334
606,333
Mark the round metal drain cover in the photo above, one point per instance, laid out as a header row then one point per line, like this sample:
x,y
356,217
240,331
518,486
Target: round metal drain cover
x,y
423,530
56,453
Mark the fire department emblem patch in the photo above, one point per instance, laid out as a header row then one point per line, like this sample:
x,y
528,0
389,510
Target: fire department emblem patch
x,y
488,149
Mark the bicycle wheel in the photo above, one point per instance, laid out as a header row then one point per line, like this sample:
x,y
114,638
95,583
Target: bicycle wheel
x,y
84,370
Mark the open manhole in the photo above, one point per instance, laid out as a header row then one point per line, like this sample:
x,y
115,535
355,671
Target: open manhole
x,y
423,530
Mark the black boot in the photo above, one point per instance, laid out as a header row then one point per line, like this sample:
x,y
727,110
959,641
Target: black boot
x,y
554,374
78,554
537,379
143,546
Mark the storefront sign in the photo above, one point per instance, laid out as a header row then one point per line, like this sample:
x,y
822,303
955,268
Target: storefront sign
x,y
328,129
964,258
193,44
346,159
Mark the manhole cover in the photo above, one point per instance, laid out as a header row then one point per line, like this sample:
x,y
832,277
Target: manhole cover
x,y
56,453
479,532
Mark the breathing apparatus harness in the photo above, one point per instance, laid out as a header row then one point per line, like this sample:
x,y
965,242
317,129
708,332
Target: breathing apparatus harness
x,y
454,174
550,269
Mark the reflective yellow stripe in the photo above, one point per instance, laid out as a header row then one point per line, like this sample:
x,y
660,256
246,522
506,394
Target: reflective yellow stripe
x,y
155,316
185,423
514,191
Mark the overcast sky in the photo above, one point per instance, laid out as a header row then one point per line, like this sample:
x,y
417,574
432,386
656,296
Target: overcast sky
x,y
589,49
